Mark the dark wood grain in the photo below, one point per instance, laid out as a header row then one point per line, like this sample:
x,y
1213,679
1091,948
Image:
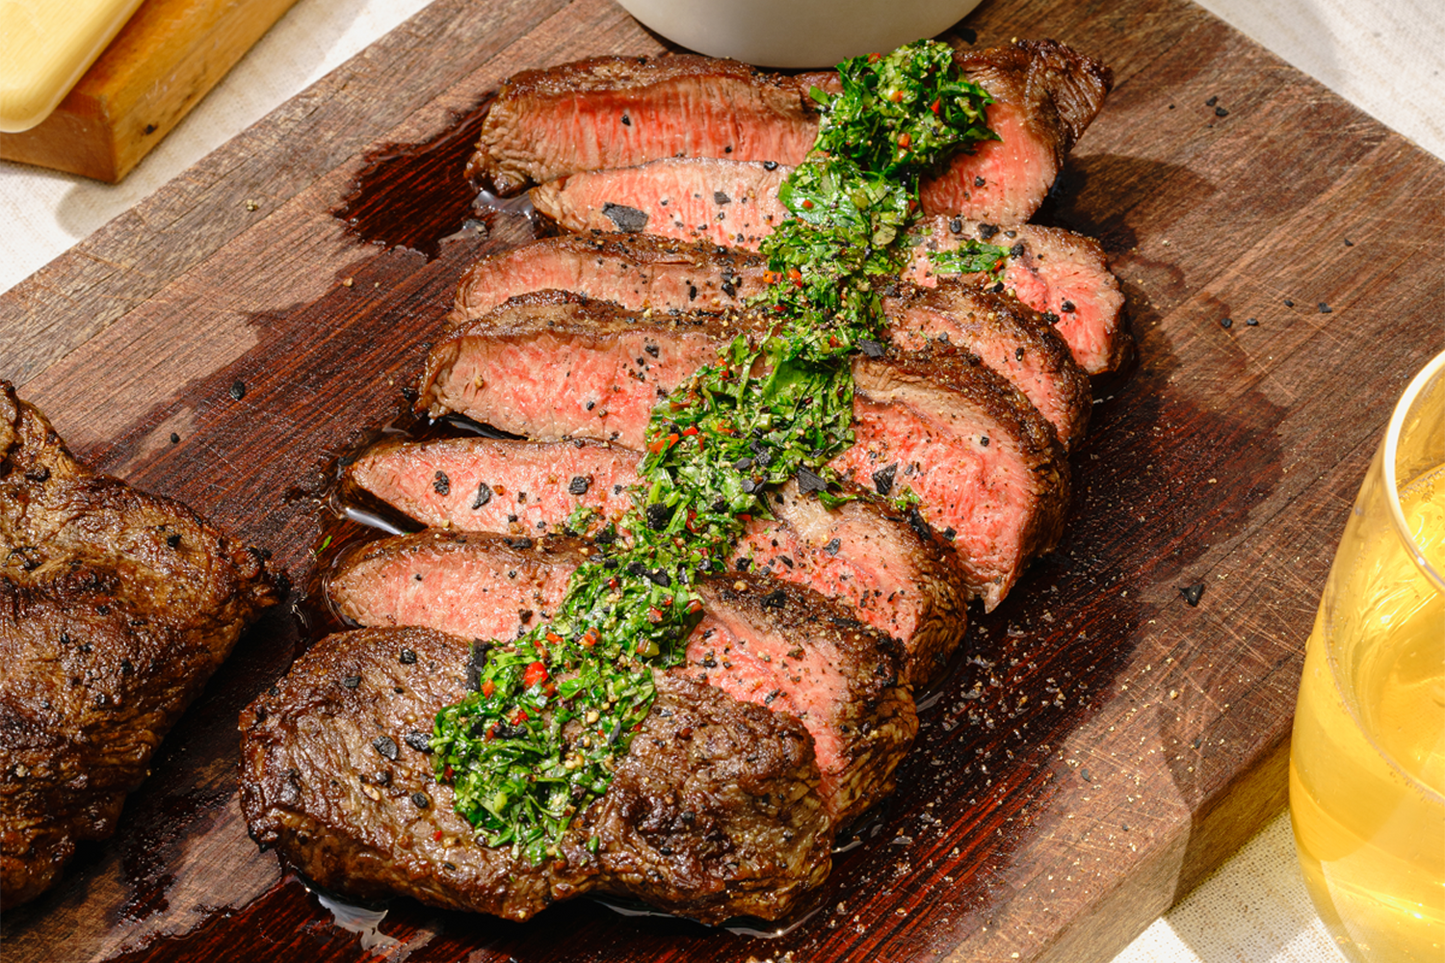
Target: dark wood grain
x,y
1101,746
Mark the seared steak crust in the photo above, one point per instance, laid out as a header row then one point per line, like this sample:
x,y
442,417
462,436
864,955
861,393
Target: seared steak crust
x,y
899,580
115,608
761,641
712,813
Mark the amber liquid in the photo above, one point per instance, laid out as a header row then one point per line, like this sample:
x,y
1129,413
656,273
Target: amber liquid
x,y
1367,765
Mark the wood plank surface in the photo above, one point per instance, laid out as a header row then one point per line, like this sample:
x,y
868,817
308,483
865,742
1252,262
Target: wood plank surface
x,y
168,56
1101,745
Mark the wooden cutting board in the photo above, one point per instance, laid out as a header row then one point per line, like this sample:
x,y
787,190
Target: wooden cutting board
x,y
167,57
1102,745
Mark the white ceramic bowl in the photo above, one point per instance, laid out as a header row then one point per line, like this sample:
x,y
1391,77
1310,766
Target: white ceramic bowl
x,y
796,33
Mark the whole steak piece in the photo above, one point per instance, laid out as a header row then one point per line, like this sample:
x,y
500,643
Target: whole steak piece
x,y
713,812
115,608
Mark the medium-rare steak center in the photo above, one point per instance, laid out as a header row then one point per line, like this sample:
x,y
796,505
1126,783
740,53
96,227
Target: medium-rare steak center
x,y
986,465
900,580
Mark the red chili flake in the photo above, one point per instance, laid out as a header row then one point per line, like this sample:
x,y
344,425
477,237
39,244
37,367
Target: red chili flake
x,y
612,583
807,204
694,607
832,341
553,637
520,717
873,58
488,687
744,517
437,835
491,732
448,774
689,430
536,673
896,96
654,614
934,108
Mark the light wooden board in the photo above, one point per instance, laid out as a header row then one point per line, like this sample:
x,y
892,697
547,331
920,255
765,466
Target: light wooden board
x,y
164,60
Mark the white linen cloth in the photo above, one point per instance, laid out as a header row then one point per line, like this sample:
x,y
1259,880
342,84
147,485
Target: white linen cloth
x,y
1385,56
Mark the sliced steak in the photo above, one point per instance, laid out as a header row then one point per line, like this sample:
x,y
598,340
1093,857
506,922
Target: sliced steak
x,y
899,580
636,271
618,365
1057,272
761,641
691,199
712,813
984,465
624,111
553,365
621,111
1045,94
1013,340
1053,270
115,608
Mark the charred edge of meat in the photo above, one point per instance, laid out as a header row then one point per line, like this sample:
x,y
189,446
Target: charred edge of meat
x,y
116,606
713,812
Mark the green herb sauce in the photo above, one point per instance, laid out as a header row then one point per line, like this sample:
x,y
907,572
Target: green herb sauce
x,y
552,711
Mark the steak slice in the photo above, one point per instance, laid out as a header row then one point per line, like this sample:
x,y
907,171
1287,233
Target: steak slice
x,y
761,641
637,271
984,465
115,608
1053,270
621,111
712,813
619,364
899,580
1059,273
1011,339
688,198
624,111
1045,95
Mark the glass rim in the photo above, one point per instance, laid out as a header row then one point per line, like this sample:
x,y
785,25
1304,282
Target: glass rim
x,y
1433,369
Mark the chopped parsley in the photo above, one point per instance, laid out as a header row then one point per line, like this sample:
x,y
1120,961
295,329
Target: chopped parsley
x,y
537,739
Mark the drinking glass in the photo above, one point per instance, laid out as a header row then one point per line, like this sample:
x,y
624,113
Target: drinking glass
x,y
1367,760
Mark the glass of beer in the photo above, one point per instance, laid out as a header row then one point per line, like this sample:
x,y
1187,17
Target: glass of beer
x,y
1367,760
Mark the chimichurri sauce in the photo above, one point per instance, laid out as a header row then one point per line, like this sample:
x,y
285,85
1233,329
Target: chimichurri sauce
x,y
553,710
